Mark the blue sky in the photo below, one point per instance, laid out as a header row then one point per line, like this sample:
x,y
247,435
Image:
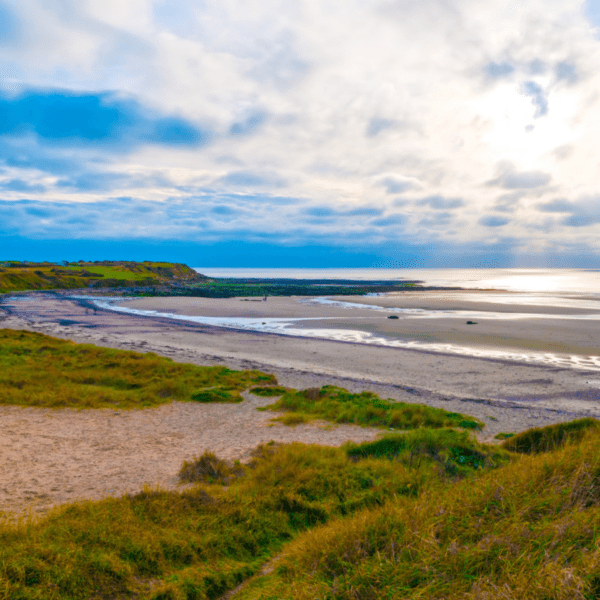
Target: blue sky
x,y
270,133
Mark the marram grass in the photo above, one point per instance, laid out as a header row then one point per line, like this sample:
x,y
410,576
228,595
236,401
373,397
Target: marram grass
x,y
340,406
527,531
38,370
200,542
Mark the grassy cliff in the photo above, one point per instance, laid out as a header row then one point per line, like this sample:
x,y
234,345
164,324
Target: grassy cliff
x,y
18,276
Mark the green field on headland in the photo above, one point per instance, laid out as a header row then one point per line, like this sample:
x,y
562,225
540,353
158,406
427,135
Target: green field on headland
x,y
21,276
425,513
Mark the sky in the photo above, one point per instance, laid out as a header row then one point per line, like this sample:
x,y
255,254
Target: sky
x,y
263,133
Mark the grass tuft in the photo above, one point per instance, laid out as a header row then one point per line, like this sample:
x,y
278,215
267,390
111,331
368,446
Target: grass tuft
x,y
545,439
503,436
209,469
340,406
269,391
528,530
200,542
457,452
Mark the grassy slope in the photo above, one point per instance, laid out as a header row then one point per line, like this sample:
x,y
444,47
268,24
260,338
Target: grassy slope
x,y
529,530
198,543
20,277
38,370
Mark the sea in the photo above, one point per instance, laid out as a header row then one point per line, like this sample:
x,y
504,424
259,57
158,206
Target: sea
x,y
544,281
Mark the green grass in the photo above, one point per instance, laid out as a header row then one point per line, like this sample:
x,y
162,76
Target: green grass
x,y
199,542
340,406
47,276
456,452
38,370
503,436
527,531
544,439
269,391
428,514
116,273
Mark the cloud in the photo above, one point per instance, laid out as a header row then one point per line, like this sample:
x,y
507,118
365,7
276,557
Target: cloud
x,y
396,185
560,205
377,124
9,27
441,203
493,221
584,212
393,219
513,180
249,125
248,179
298,122
498,70
566,71
19,185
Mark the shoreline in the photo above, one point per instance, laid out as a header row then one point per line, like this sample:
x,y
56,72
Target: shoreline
x,y
548,387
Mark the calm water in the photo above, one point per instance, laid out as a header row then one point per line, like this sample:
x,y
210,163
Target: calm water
x,y
551,281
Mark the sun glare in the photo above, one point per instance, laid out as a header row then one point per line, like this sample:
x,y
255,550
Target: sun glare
x,y
515,133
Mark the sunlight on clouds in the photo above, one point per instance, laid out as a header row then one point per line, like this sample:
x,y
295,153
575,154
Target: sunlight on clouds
x,y
509,113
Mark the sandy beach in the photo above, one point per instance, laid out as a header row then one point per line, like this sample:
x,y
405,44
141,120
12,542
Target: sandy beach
x,y
49,457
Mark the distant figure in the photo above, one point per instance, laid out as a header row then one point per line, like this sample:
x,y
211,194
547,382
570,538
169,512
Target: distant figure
x,y
265,298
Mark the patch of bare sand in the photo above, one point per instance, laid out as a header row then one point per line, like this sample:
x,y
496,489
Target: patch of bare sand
x,y
53,456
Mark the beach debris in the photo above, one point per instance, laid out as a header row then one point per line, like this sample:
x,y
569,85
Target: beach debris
x,y
393,317
471,323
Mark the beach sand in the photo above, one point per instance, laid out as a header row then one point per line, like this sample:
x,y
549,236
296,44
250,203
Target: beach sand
x,y
52,456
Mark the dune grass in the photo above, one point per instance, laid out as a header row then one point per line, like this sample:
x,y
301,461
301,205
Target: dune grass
x,y
544,439
271,391
340,406
527,531
197,543
455,451
38,370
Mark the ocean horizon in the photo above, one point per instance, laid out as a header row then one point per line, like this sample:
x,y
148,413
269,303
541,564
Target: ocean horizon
x,y
540,280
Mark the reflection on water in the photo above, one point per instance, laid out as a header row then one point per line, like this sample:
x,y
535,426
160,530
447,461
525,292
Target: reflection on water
x,y
421,313
283,326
